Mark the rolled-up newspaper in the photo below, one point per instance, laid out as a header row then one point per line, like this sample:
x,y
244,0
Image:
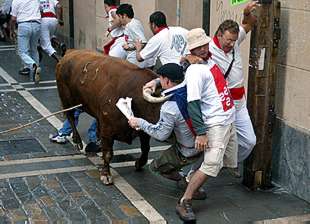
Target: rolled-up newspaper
x,y
124,105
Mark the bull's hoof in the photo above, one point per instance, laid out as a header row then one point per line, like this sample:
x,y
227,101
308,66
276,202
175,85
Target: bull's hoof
x,y
140,163
105,176
106,179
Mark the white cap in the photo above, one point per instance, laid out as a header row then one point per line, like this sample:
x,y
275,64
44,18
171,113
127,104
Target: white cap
x,y
196,38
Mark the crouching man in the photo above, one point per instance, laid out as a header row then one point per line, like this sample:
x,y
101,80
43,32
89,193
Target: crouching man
x,y
173,119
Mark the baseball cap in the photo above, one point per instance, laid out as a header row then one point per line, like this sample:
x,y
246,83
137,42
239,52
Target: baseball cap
x,y
196,38
172,71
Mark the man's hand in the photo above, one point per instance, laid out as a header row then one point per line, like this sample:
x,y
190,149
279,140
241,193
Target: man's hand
x,y
151,85
201,142
249,20
138,45
249,8
133,122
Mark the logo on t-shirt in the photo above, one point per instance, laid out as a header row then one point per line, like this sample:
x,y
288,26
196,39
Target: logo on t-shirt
x,y
178,43
220,82
45,4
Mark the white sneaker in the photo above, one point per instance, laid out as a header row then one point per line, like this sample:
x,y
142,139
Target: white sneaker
x,y
58,138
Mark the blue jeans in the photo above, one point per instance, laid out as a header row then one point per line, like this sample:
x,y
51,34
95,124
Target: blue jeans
x,y
66,127
28,35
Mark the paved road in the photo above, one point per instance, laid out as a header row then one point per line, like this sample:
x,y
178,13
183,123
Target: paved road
x,y
43,182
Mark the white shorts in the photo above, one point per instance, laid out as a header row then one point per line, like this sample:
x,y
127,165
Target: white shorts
x,y
222,150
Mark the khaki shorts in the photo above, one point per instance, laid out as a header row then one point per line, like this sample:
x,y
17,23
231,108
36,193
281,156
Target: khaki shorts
x,y
222,151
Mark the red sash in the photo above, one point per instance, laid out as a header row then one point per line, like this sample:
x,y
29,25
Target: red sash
x,y
48,14
237,93
220,83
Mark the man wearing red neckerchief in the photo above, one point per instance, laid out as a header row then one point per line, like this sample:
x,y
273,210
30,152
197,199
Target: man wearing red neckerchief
x,y
168,43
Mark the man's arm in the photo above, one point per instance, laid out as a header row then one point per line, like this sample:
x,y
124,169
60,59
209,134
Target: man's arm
x,y
160,131
194,111
59,14
139,47
249,20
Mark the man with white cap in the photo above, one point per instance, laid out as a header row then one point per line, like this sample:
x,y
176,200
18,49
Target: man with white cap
x,y
212,112
225,52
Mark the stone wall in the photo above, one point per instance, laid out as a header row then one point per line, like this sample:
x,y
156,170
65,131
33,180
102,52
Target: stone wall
x,y
291,151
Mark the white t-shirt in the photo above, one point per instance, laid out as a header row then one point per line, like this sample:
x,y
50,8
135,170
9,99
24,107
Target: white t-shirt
x,y
48,6
134,31
117,31
235,78
169,45
26,10
205,82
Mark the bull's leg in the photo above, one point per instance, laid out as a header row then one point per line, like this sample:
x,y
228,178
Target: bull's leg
x,y
76,136
107,154
145,148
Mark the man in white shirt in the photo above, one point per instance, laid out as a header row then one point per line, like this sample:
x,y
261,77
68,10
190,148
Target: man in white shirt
x,y
116,30
225,49
134,31
168,43
28,17
51,13
212,111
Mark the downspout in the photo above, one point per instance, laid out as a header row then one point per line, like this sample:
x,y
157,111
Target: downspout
x,y
178,12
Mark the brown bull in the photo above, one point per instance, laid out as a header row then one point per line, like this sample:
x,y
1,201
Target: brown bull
x,y
97,82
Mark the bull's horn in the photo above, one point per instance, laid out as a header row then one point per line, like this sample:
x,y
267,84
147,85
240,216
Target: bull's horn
x,y
147,95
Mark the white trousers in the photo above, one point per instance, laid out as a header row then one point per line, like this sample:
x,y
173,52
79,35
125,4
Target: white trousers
x,y
48,29
245,133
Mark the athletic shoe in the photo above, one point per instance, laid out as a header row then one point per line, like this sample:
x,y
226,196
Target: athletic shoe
x,y
37,72
24,71
58,138
185,211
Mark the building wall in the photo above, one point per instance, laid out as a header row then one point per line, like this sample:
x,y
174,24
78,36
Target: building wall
x,y
291,151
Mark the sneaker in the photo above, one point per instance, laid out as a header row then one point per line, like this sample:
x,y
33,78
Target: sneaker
x,y
58,138
37,72
185,211
24,71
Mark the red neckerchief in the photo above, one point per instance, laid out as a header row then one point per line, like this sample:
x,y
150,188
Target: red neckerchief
x,y
160,28
217,43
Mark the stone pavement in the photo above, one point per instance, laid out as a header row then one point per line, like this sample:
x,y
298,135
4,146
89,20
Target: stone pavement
x,y
43,182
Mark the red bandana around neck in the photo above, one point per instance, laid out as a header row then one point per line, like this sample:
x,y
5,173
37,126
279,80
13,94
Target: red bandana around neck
x,y
160,28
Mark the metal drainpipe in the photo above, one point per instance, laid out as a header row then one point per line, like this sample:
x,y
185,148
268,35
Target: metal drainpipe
x,y
178,13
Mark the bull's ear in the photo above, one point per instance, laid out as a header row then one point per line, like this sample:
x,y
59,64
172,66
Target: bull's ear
x,y
147,95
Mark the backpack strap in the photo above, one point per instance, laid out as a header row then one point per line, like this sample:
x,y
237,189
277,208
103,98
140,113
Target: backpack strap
x,y
230,66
